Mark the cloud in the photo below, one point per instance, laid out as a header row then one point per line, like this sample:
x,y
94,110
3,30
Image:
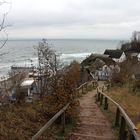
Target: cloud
x,y
70,18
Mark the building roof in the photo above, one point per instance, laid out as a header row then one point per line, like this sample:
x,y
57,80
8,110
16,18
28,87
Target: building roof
x,y
27,82
96,61
114,53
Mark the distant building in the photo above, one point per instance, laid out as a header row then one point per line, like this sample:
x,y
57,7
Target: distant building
x,y
19,69
116,55
28,86
138,56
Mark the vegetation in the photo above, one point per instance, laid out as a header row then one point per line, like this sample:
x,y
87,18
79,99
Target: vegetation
x,y
22,121
128,100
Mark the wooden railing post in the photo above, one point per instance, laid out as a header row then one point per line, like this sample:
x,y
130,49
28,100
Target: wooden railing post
x,y
122,131
117,117
106,103
82,89
131,137
122,120
63,122
86,86
101,99
78,91
93,84
98,96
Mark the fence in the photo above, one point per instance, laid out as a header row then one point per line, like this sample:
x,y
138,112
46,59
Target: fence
x,y
61,113
127,130
85,86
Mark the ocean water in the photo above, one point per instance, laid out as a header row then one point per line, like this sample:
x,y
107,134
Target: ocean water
x,y
22,52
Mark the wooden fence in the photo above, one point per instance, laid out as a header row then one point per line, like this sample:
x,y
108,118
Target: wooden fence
x,y
127,130
83,87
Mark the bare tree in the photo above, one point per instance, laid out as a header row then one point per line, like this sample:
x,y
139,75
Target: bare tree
x,y
48,64
3,24
3,40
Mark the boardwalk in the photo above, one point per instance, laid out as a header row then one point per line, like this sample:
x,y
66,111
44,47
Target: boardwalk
x,y
92,124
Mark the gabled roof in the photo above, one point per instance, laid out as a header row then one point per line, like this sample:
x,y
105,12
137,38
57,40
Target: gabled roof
x,y
27,82
94,57
114,53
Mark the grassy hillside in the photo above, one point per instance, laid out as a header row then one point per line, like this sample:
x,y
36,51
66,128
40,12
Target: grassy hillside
x,y
129,101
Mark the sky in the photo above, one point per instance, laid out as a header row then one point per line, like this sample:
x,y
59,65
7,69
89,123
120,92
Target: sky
x,y
99,19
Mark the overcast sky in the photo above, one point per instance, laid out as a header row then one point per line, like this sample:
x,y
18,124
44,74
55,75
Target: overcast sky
x,y
108,19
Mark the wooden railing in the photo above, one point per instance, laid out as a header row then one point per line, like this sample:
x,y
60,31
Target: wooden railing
x,y
127,130
84,87
44,128
61,113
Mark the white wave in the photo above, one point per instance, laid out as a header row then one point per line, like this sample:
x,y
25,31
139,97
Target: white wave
x,y
74,55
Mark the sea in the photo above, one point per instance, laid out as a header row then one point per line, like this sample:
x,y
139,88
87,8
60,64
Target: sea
x,y
23,52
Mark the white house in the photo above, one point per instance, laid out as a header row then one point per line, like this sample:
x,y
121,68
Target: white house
x,y
138,56
28,86
117,55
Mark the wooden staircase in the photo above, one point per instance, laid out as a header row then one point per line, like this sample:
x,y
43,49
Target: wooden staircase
x,y
92,124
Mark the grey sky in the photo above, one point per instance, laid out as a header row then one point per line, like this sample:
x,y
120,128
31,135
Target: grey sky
x,y
74,18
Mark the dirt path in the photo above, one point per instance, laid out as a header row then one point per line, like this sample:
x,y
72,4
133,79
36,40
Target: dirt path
x,y
92,124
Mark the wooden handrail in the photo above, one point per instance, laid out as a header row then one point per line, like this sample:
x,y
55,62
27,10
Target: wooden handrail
x,y
82,85
120,113
62,111
41,131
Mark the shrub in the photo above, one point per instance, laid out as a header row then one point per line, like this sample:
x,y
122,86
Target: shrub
x,y
136,86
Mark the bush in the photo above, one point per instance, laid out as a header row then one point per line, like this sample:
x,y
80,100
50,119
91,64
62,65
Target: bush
x,y
63,86
136,86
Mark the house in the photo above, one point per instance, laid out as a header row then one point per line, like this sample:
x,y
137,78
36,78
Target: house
x,y
18,69
28,86
12,96
102,73
116,55
138,56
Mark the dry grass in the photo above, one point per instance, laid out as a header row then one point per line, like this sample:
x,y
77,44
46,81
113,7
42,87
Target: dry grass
x,y
21,122
129,101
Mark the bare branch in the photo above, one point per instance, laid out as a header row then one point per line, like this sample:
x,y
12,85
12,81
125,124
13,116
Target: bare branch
x,y
3,26
3,42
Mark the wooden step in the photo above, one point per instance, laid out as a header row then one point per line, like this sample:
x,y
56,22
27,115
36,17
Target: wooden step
x,y
93,125
94,119
78,136
94,130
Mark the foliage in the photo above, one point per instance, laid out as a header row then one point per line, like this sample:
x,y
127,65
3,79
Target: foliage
x,y
22,121
128,100
63,86
133,46
127,69
48,64
136,87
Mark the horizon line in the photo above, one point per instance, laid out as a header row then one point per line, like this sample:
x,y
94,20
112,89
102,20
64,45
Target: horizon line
x,y
119,39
